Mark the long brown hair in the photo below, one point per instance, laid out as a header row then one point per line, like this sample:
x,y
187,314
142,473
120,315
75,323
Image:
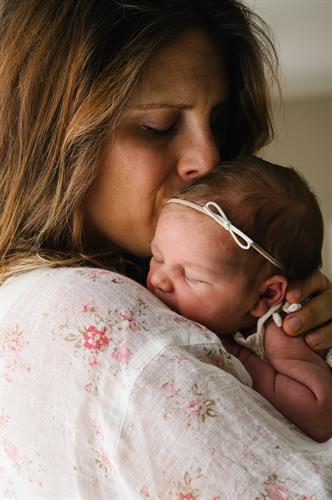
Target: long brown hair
x,y
67,69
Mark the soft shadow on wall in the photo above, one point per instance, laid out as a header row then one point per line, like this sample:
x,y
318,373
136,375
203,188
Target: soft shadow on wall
x,y
303,140
303,33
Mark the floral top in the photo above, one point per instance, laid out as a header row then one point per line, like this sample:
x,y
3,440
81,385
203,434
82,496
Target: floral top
x,y
106,394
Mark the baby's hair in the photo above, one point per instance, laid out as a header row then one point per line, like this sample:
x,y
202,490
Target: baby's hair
x,y
274,206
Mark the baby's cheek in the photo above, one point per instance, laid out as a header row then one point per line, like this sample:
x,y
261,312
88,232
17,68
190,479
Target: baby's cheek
x,y
190,305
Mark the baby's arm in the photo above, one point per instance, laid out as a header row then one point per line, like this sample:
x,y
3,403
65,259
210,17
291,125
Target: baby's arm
x,y
297,381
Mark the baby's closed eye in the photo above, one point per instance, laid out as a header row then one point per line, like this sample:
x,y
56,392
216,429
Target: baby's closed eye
x,y
157,259
195,280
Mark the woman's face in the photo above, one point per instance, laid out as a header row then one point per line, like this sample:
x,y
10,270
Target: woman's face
x,y
166,137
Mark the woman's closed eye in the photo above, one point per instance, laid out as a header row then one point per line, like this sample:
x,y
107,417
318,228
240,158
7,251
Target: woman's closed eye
x,y
159,133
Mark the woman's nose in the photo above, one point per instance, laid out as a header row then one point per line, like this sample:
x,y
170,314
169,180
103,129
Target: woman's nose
x,y
161,281
198,156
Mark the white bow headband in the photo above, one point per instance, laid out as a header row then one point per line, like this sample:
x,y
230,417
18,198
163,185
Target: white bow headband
x,y
221,219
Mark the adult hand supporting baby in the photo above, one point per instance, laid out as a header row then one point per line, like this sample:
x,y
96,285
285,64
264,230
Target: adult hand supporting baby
x,y
314,320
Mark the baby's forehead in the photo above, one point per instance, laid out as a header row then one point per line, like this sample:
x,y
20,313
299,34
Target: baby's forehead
x,y
191,224
206,240
179,216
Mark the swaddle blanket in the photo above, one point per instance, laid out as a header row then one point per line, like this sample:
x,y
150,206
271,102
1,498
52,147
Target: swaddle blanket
x,y
106,394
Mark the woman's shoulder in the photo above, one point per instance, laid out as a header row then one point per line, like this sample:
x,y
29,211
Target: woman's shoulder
x,y
71,284
81,297
69,275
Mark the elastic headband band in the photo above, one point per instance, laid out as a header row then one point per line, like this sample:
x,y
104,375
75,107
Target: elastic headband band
x,y
223,221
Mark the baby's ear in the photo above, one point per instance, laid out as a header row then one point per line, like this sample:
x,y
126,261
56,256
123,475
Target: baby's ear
x,y
271,292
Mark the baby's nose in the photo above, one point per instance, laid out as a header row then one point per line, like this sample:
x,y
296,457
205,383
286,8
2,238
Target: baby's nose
x,y
162,282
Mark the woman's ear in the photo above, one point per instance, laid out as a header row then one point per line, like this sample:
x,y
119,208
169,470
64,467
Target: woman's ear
x,y
271,292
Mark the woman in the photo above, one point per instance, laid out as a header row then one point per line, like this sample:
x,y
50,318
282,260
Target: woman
x,y
107,109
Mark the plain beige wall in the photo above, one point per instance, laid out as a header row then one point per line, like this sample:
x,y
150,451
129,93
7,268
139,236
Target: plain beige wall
x,y
304,140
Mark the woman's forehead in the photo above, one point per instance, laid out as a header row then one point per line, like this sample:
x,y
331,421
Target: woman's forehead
x,y
180,67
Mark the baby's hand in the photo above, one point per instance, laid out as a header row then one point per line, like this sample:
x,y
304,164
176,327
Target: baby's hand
x,y
279,346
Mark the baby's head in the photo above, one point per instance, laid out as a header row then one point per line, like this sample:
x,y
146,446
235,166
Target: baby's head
x,y
199,270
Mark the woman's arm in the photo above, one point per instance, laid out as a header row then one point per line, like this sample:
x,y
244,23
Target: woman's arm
x,y
314,320
296,381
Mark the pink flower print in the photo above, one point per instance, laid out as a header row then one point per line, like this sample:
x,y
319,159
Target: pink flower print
x,y
16,345
97,272
12,452
88,387
180,359
202,409
88,308
145,492
121,354
94,339
128,316
103,461
277,492
217,360
196,407
93,362
8,378
170,389
3,420
191,494
96,429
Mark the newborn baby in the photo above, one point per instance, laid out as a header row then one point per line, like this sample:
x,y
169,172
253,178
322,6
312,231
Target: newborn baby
x,y
223,254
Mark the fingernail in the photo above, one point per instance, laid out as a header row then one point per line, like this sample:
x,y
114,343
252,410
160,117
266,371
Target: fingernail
x,y
315,339
295,324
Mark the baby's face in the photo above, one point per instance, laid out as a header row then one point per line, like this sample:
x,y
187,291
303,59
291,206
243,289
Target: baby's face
x,y
190,271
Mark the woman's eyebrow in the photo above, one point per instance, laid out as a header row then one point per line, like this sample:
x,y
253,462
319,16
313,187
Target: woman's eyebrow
x,y
159,105
167,105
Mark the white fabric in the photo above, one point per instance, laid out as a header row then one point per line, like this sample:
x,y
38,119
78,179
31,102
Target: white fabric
x,y
255,341
106,394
